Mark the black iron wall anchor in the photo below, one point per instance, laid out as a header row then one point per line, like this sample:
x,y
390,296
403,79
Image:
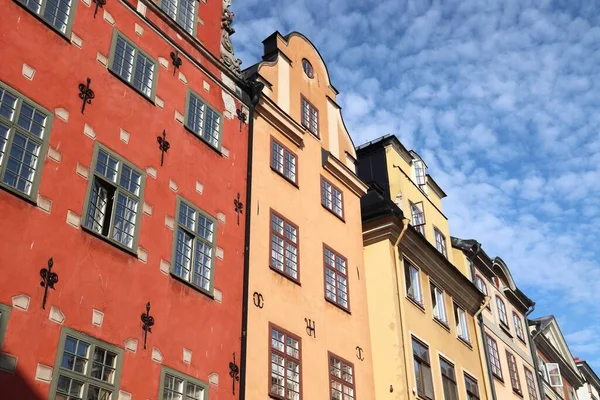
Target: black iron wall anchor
x,y
86,94
242,116
148,322
234,373
176,61
259,300
99,3
360,353
163,145
311,328
239,207
49,278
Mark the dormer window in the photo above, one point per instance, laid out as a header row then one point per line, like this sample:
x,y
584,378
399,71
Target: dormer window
x,y
419,172
308,69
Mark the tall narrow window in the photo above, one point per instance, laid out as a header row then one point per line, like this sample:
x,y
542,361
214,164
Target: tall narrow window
x,y
413,282
341,375
519,326
472,388
438,303
554,376
462,325
418,217
115,193
448,380
480,283
24,133
4,314
177,386
310,117
419,168
194,246
86,368
181,11
203,120
133,65
285,355
440,242
494,357
422,369
336,278
56,13
502,312
284,246
542,371
332,198
530,385
283,161
515,381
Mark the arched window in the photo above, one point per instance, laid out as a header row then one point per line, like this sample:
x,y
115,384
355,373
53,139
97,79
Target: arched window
x,y
307,67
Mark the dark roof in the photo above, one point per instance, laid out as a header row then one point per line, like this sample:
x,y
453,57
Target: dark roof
x,y
375,204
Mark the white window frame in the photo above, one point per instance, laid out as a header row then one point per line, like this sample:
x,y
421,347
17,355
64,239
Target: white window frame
x,y
462,324
553,371
413,274
438,303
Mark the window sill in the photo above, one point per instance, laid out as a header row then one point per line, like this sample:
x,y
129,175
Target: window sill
x,y
196,288
65,36
107,240
522,340
291,182
346,310
129,85
498,378
20,195
296,281
518,393
206,142
334,214
416,303
442,324
506,329
465,342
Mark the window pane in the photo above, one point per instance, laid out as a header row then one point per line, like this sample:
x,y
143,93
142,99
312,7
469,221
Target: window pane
x,y
202,270
195,116
130,180
183,254
4,130
144,74
97,207
103,366
173,388
22,163
107,166
186,15
69,389
123,59
125,218
170,7
205,228
8,104
187,216
32,120
33,5
75,355
57,13
212,128
193,392
96,393
277,157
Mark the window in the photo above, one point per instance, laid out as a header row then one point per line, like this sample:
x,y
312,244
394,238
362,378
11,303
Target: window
x,y
194,246
132,65
284,246
438,303
502,312
4,314
310,117
24,133
448,380
115,193
422,369
177,386
285,364
86,368
462,325
542,369
530,385
181,11
472,388
419,172
494,357
440,242
283,161
480,283
572,395
554,376
341,375
413,282
203,120
336,278
518,326
418,217
515,381
56,13
307,68
332,198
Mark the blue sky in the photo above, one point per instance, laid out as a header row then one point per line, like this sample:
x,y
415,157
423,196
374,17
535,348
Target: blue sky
x,y
501,99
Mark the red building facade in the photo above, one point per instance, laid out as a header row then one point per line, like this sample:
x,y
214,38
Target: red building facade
x,y
140,236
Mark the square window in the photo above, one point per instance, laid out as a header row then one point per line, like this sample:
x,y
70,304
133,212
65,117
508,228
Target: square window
x,y
133,65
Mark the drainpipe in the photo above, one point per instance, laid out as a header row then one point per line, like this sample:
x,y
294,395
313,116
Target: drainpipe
x,y
255,91
405,222
533,348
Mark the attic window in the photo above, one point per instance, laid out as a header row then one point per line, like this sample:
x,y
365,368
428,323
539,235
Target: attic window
x,y
308,69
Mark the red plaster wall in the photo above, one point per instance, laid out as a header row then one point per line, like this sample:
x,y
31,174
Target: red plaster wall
x,y
97,275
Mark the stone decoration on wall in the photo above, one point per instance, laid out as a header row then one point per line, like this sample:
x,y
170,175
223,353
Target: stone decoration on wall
x,y
227,53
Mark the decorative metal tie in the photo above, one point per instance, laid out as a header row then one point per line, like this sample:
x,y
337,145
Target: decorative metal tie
x,y
86,94
176,61
163,145
49,278
148,322
239,207
99,3
242,116
234,372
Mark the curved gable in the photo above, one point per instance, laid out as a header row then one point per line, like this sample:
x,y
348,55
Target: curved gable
x,y
500,268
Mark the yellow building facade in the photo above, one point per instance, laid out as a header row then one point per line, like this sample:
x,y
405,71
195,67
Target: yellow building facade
x,y
307,322
422,309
